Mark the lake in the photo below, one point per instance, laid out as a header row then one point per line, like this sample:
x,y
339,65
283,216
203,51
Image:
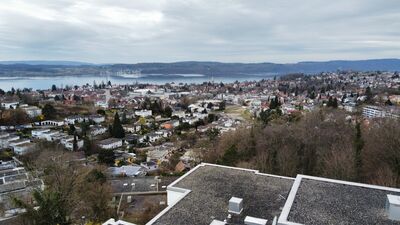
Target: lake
x,y
36,83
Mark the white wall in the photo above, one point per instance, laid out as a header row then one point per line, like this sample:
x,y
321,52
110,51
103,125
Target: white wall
x,y
174,195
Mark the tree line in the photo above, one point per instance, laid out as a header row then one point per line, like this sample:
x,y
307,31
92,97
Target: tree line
x,y
73,193
323,143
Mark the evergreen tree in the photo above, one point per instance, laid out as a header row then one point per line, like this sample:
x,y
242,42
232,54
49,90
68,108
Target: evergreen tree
x,y
264,116
75,143
85,126
272,104
106,157
49,111
19,93
156,107
87,146
51,208
101,112
222,105
388,102
332,102
117,129
110,130
230,156
369,94
167,111
76,98
312,95
72,129
335,103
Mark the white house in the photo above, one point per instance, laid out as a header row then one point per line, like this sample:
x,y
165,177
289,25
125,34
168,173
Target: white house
x,y
18,142
163,132
143,113
380,112
132,128
97,130
196,108
4,134
5,141
51,123
49,135
179,114
38,133
153,137
9,105
110,143
200,116
191,120
74,119
97,118
23,148
68,142
44,134
101,104
32,111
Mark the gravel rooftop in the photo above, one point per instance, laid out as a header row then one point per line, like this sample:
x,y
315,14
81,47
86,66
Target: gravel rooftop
x,y
212,187
318,202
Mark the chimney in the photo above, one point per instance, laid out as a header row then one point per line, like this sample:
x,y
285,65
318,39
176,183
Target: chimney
x,y
393,207
235,205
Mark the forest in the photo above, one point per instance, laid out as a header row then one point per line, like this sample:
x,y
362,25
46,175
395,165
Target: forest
x,y
324,143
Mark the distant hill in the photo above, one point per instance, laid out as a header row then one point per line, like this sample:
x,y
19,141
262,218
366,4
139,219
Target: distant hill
x,y
70,68
217,68
46,62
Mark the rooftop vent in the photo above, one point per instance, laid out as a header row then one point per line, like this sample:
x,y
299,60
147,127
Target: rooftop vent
x,y
393,207
254,221
235,205
217,222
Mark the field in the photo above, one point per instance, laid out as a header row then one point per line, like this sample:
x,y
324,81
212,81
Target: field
x,y
238,112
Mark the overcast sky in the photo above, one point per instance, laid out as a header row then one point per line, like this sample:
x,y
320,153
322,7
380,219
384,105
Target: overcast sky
x,y
130,31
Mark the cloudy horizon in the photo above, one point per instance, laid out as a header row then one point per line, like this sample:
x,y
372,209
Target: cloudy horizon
x,y
122,31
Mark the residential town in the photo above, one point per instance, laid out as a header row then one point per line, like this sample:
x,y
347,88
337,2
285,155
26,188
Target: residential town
x,y
148,135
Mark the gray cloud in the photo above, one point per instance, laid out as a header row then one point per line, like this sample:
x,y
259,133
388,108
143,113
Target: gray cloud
x,y
174,30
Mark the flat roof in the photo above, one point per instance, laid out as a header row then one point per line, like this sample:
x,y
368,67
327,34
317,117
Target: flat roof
x,y
109,141
324,201
211,187
203,194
